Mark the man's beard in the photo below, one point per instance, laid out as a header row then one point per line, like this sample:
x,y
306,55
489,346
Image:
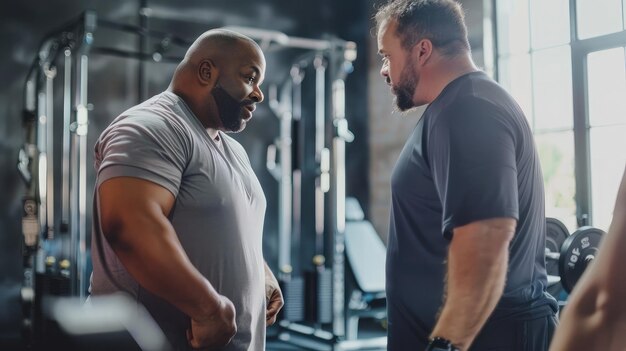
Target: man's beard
x,y
229,109
405,89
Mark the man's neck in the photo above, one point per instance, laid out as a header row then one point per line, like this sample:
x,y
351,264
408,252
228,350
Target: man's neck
x,y
208,124
447,71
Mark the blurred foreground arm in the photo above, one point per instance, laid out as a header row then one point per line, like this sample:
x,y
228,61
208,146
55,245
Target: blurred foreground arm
x,y
595,315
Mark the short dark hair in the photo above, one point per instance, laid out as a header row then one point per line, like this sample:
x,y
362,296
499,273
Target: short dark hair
x,y
440,21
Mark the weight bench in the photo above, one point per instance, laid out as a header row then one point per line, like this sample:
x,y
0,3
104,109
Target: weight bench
x,y
365,253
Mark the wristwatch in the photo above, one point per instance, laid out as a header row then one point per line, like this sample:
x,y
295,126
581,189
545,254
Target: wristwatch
x,y
440,344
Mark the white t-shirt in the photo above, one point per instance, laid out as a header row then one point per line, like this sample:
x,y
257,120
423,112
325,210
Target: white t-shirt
x,y
218,214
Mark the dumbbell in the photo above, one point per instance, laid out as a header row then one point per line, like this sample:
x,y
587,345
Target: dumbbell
x,y
569,255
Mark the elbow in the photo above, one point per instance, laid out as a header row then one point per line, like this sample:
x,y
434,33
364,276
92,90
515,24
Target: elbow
x,y
596,302
610,307
115,233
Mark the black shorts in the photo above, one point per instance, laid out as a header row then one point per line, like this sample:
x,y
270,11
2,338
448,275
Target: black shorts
x,y
516,335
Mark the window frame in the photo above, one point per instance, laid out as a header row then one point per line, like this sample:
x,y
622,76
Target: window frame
x,y
579,49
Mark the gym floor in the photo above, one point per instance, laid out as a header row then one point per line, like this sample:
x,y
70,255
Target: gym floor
x,y
368,328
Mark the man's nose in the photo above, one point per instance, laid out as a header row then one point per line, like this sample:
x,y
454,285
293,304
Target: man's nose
x,y
384,72
257,95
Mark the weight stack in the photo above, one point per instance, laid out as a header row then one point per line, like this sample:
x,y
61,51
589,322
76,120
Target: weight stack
x,y
49,284
293,294
319,296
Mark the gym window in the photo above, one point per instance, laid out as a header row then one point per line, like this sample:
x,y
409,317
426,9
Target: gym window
x,y
564,62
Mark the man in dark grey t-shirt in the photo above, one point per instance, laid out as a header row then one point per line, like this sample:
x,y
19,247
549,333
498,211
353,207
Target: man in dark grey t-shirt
x,y
181,208
465,260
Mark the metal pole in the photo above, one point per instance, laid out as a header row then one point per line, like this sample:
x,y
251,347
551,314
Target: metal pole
x,y
297,74
321,152
82,120
67,115
42,167
144,12
50,73
78,152
338,199
66,176
341,67
285,204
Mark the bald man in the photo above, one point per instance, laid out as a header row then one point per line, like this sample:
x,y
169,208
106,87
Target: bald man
x,y
181,208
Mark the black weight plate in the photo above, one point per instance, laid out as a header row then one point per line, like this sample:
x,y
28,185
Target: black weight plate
x,y
556,234
576,253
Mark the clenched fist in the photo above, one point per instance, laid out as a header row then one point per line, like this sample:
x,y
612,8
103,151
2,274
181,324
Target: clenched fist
x,y
216,330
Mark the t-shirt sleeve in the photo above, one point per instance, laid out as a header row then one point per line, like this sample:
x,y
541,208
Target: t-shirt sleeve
x,y
146,147
471,150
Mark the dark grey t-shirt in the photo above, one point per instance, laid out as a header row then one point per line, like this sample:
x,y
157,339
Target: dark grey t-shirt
x,y
470,157
218,213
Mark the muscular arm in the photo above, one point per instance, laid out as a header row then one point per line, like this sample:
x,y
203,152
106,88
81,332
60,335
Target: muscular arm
x,y
477,266
133,215
595,317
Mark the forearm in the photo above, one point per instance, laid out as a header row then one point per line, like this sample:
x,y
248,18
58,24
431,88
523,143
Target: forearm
x,y
152,254
477,266
473,290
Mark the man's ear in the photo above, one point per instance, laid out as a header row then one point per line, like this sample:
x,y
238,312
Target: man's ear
x,y
207,72
422,51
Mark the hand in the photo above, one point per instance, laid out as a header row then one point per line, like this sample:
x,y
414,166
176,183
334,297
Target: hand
x,y
216,330
273,296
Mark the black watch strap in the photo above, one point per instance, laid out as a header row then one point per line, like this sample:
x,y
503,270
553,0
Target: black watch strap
x,y
440,344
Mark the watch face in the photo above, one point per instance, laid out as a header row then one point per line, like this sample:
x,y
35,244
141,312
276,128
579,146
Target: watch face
x,y
440,344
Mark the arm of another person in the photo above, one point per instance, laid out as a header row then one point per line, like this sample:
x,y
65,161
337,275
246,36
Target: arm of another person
x,y
595,315
273,296
133,216
477,265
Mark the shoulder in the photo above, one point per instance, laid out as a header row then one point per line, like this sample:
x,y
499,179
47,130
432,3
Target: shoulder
x,y
471,120
470,109
155,117
147,125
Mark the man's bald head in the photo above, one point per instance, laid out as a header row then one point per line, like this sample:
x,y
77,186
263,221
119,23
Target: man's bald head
x,y
215,43
221,47
219,79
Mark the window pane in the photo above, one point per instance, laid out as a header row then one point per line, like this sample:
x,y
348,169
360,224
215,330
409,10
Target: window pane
x,y
549,23
512,26
552,88
606,77
556,152
514,75
607,166
598,17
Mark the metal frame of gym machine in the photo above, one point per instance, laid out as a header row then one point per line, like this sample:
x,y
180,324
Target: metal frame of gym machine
x,y
36,160
334,58
47,237
36,166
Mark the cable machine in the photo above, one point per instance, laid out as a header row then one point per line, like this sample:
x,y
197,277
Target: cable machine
x,y
55,251
314,316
